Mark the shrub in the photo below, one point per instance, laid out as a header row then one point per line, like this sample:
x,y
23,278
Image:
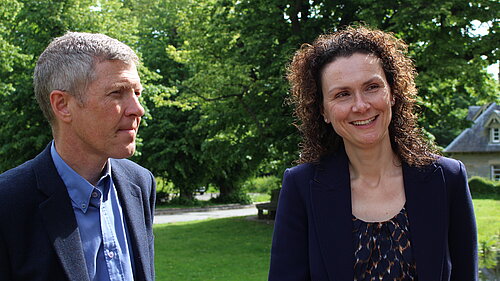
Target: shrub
x,y
181,201
483,186
164,189
238,197
261,184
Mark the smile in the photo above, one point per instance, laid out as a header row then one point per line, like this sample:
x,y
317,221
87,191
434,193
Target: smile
x,y
364,122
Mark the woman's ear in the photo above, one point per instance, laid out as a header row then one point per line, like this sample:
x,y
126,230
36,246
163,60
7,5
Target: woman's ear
x,y
322,112
59,101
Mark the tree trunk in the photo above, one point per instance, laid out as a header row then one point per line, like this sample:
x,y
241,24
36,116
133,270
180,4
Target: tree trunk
x,y
187,193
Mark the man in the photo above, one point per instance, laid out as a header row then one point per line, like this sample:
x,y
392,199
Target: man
x,y
78,211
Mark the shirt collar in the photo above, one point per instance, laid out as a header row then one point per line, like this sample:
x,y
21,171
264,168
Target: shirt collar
x,y
79,189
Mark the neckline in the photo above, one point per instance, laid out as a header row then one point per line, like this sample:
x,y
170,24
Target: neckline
x,y
402,211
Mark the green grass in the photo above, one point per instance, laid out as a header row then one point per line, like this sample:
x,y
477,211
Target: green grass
x,y
488,227
221,249
238,248
487,218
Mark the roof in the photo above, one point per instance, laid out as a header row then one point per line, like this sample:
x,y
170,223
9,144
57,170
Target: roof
x,y
477,137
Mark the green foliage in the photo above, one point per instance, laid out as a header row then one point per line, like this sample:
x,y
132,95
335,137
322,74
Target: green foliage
x,y
26,28
213,73
184,202
173,150
259,197
482,186
236,196
262,184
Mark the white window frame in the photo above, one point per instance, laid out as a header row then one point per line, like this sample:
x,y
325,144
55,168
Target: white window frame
x,y
495,172
495,135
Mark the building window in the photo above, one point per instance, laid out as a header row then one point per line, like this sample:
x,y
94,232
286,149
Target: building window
x,y
495,172
495,135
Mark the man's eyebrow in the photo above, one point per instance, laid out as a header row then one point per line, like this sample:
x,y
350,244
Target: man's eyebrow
x,y
122,86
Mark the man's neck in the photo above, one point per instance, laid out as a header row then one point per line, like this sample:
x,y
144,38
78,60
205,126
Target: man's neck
x,y
88,166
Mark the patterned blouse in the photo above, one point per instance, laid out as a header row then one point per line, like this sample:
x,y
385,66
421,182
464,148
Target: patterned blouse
x,y
383,250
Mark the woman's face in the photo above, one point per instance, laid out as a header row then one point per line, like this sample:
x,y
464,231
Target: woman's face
x,y
357,100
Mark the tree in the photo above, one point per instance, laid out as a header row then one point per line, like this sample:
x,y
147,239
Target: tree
x,y
26,28
213,73
173,147
238,51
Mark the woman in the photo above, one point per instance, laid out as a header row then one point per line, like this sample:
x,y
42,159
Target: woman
x,y
371,199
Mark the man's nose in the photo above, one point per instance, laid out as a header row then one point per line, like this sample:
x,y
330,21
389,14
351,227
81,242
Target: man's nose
x,y
135,107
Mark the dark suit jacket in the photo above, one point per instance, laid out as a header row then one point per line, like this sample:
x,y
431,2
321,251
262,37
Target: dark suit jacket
x,y
39,236
313,227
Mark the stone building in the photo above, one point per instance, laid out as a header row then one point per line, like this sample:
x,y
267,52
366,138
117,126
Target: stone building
x,y
478,147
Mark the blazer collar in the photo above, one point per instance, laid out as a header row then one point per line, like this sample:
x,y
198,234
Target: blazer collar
x,y
332,213
331,208
132,205
58,216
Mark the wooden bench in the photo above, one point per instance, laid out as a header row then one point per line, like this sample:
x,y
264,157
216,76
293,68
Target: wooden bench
x,y
268,210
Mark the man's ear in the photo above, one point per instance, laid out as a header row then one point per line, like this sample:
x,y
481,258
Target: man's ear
x,y
60,101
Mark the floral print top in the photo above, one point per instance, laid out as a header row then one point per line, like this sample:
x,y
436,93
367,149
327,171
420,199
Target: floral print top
x,y
383,250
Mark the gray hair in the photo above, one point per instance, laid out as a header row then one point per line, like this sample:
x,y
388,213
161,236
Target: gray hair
x,y
68,65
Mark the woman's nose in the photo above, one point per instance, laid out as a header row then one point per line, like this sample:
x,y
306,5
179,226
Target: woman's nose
x,y
360,103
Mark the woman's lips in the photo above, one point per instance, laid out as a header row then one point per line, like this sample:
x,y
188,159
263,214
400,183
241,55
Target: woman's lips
x,y
364,122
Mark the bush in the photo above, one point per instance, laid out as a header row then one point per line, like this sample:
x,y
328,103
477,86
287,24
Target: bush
x,y
483,186
181,201
261,184
237,197
164,189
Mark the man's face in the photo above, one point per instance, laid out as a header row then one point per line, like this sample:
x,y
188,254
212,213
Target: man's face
x,y
106,124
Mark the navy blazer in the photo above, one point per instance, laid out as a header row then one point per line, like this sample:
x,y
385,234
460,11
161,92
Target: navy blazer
x,y
313,228
39,235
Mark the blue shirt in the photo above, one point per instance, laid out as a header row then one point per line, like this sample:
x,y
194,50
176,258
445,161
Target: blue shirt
x,y
99,216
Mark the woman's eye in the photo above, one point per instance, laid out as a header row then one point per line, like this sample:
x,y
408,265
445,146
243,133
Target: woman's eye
x,y
341,94
373,87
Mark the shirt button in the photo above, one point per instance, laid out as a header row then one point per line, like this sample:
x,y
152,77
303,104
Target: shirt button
x,y
111,254
94,194
84,206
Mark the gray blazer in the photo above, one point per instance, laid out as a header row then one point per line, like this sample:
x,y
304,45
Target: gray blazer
x,y
39,235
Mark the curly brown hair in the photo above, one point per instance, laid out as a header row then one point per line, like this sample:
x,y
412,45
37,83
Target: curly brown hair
x,y
304,73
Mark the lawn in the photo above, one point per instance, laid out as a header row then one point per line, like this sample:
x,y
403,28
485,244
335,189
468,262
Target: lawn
x,y
238,248
221,249
488,226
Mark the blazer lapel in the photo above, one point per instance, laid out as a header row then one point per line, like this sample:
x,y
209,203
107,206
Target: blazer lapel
x,y
131,202
427,212
58,215
331,207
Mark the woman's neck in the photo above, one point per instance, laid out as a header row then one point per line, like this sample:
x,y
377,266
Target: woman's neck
x,y
372,164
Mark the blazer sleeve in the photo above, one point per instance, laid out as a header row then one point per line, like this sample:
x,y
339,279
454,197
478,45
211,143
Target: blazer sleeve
x,y
152,201
289,252
462,236
5,273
